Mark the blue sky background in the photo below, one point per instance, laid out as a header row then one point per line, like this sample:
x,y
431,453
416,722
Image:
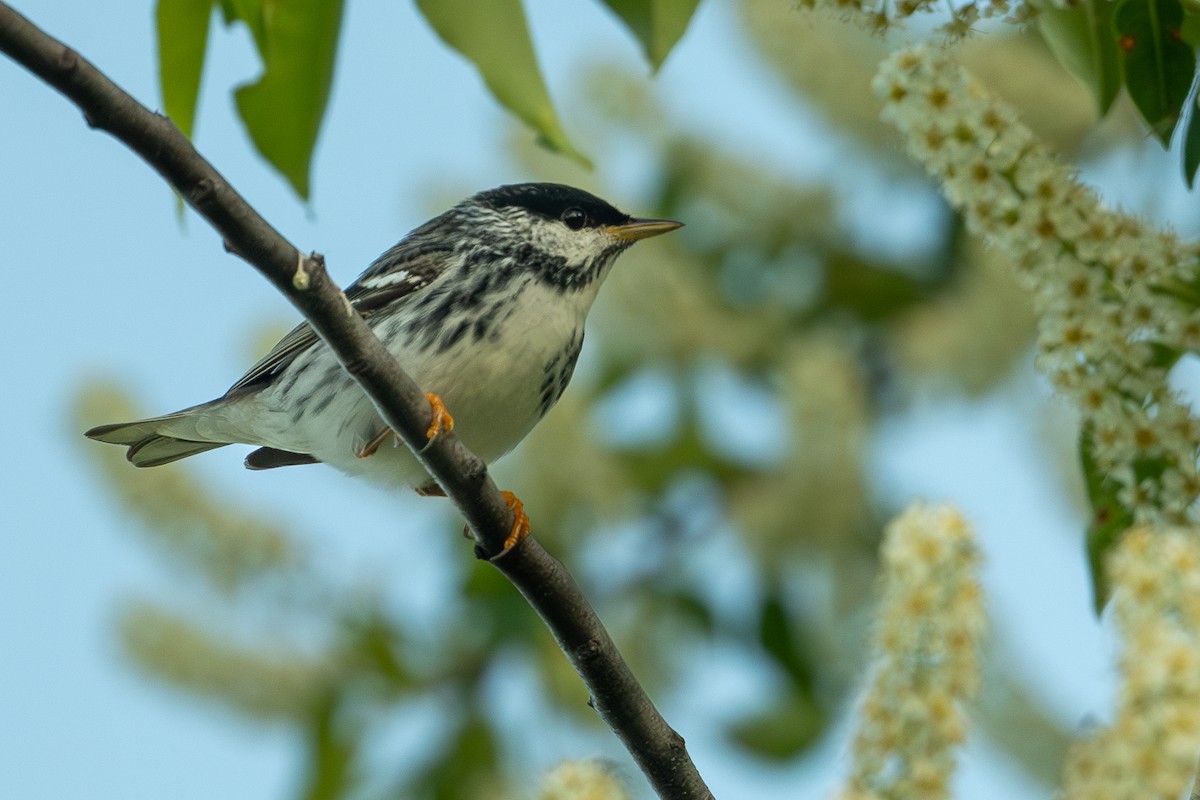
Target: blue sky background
x,y
101,279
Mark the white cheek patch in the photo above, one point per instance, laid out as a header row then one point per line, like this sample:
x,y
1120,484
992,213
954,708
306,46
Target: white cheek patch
x,y
577,247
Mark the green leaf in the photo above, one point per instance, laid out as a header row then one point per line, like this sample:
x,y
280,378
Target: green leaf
x,y
1191,141
1109,518
1081,36
658,24
495,38
284,108
182,40
1156,63
247,11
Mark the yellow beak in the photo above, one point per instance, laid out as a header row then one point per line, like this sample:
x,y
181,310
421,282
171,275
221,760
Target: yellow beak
x,y
637,229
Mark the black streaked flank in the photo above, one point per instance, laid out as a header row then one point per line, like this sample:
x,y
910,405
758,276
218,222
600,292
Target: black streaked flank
x,y
450,339
324,402
558,374
484,327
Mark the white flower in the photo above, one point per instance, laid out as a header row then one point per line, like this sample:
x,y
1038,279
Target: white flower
x,y
1102,282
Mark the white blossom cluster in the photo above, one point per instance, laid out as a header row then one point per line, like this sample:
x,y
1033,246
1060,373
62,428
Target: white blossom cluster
x,y
1116,299
927,640
582,780
1150,750
881,15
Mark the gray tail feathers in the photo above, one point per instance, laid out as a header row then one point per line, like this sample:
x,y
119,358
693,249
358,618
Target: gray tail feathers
x,y
148,445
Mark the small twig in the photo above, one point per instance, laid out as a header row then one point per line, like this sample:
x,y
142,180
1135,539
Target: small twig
x,y
543,580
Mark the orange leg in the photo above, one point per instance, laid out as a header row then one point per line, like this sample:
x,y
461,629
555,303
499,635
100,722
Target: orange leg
x,y
520,528
442,421
430,489
370,447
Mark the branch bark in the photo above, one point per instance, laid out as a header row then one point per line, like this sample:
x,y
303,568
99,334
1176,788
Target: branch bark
x,y
542,579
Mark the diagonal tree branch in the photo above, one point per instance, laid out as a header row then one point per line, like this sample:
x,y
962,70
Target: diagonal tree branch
x,y
542,579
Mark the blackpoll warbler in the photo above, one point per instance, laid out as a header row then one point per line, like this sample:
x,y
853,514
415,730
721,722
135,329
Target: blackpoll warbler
x,y
484,306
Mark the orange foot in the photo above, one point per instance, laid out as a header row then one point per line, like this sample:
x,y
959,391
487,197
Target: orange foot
x,y
520,528
430,489
442,421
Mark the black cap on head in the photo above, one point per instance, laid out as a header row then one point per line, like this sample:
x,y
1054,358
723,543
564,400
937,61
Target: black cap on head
x,y
551,200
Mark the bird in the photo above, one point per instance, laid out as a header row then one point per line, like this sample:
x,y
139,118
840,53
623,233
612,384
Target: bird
x,y
484,306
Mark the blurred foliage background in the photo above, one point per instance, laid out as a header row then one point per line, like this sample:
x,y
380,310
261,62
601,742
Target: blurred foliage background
x,y
734,376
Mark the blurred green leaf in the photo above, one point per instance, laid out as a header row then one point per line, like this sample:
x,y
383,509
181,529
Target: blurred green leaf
x,y
871,293
485,582
1081,36
469,767
688,608
784,731
1157,65
560,683
376,642
334,750
1109,518
182,40
495,38
793,724
655,468
778,638
283,110
658,24
1190,31
497,609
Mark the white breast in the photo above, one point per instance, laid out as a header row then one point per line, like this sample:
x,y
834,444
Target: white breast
x,y
491,386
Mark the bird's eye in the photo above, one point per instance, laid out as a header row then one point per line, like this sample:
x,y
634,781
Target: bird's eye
x,y
574,218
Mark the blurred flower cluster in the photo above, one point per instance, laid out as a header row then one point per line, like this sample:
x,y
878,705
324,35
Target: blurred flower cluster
x,y
1149,750
927,643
